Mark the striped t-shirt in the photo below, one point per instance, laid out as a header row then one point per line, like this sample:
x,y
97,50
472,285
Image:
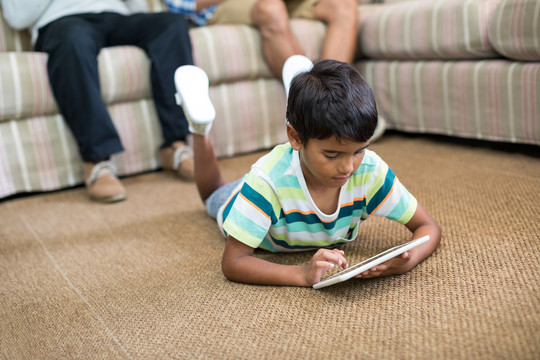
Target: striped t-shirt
x,y
273,209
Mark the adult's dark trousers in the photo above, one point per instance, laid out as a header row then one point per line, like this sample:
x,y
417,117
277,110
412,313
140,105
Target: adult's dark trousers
x,y
73,43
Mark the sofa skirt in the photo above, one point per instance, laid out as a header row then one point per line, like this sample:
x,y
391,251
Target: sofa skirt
x,y
495,100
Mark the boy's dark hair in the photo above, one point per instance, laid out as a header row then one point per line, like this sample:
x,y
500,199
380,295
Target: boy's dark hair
x,y
332,99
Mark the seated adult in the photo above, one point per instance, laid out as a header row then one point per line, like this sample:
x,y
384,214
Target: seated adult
x,y
73,32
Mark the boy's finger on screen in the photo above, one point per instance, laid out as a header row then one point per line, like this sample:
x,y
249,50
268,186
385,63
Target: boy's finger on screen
x,y
325,264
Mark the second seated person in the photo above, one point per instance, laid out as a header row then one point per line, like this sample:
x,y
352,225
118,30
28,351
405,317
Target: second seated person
x,y
271,17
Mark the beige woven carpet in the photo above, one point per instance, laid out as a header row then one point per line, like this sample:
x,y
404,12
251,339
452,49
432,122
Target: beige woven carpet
x,y
141,279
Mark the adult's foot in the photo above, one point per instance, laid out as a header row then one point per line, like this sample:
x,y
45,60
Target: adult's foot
x,y
102,183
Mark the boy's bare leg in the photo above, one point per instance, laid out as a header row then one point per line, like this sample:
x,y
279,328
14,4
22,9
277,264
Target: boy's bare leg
x,y
278,41
207,173
341,19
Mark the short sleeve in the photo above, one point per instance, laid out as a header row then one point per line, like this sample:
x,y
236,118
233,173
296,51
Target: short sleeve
x,y
250,216
387,197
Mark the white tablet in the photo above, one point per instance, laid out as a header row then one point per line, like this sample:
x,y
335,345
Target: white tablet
x,y
369,263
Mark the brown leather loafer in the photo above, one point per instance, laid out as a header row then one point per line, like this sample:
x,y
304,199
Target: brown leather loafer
x,y
102,183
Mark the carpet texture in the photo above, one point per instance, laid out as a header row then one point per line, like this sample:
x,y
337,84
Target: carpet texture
x,y
141,279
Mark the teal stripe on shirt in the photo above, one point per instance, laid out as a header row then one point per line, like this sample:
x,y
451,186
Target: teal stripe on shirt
x,y
382,193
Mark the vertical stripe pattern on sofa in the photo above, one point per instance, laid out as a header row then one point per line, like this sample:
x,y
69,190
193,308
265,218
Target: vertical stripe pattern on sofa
x,y
445,97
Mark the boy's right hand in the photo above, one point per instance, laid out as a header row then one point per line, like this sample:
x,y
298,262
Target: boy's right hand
x,y
321,262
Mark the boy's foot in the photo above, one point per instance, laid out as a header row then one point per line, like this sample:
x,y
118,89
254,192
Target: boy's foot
x,y
179,158
292,67
379,130
192,94
102,183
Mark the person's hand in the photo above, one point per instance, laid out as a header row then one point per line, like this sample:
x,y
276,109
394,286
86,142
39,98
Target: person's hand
x,y
321,262
397,265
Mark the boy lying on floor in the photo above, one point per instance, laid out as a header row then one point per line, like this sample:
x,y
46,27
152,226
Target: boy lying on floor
x,y
312,192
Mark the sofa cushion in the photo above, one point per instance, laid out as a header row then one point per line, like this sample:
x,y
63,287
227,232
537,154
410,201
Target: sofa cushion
x,y
447,29
250,115
25,86
514,29
26,91
232,52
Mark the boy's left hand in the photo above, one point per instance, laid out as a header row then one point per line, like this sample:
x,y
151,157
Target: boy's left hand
x,y
397,265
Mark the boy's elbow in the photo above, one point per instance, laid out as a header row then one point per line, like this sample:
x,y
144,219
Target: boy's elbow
x,y
227,267
235,260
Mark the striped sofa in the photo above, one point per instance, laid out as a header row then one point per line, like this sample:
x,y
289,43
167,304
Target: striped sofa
x,y
446,67
464,68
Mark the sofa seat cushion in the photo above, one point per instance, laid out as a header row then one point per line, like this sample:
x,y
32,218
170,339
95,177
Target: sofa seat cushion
x,y
233,52
250,115
514,29
442,29
26,91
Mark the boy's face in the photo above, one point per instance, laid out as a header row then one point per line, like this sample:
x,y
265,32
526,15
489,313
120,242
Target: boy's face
x,y
329,162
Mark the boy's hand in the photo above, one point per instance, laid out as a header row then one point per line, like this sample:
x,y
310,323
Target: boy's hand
x,y
397,265
321,262
421,224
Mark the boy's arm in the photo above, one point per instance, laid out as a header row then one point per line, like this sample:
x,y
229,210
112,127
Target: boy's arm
x,y
239,264
421,224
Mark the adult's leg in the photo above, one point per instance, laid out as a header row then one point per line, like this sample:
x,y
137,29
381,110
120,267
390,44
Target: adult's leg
x,y
340,17
73,43
165,39
278,41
